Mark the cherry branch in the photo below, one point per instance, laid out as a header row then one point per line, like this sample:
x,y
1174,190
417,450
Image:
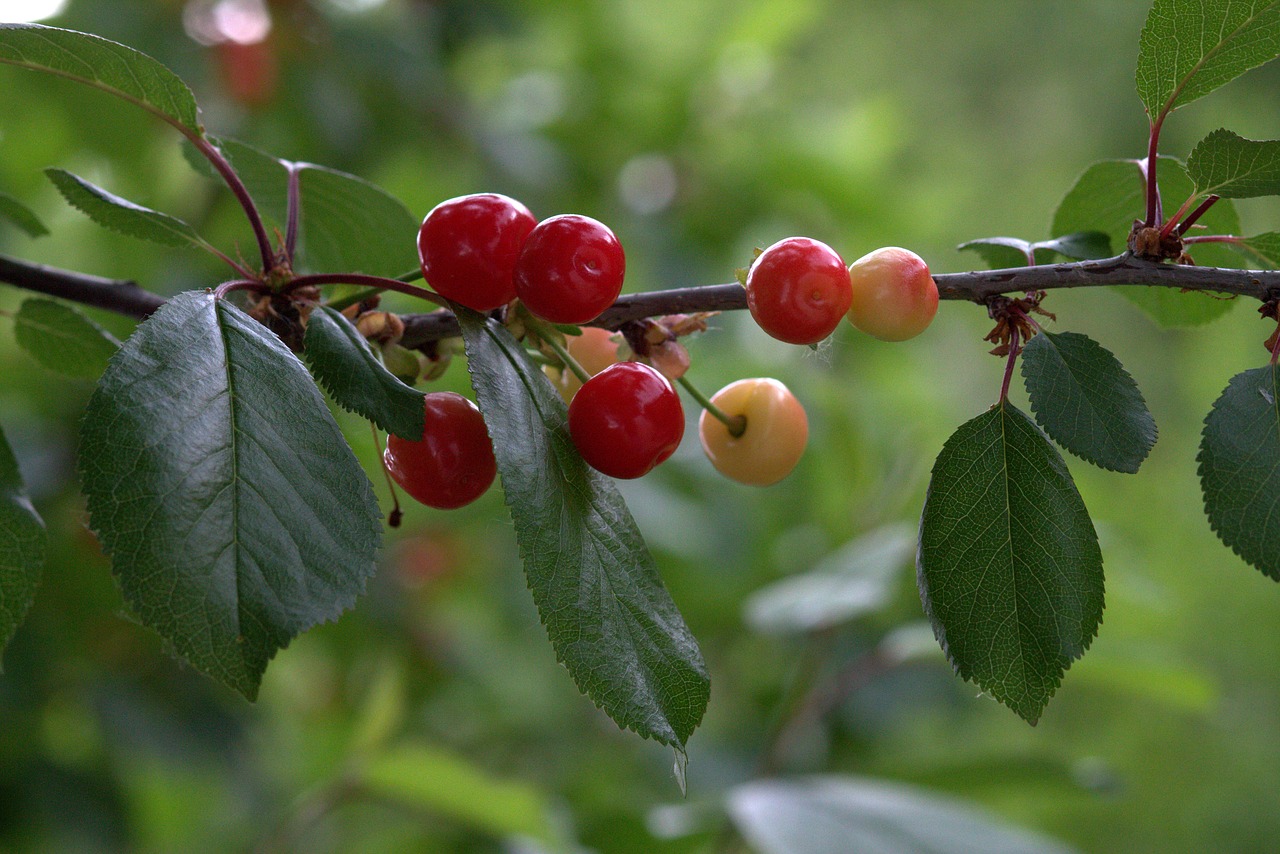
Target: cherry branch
x,y
977,286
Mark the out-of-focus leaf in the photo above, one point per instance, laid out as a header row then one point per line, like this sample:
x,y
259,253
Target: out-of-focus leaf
x,y
823,815
22,547
1230,166
1110,195
1000,252
608,615
1084,398
103,64
344,364
1265,247
1008,567
858,579
1005,252
234,512
1188,48
425,777
1240,468
22,216
62,339
1082,245
122,215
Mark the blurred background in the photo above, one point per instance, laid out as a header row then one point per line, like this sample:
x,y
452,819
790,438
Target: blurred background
x,y
433,717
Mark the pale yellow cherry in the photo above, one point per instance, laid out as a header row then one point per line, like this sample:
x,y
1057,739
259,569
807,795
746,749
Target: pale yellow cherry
x,y
777,430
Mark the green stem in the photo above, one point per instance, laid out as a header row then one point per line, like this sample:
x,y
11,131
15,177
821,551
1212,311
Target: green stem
x,y
559,349
736,424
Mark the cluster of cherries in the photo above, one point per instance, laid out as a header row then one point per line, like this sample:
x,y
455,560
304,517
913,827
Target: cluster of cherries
x,y
486,250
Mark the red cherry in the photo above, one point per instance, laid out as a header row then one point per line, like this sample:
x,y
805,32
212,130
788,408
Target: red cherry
x,y
626,419
468,247
453,464
798,290
570,269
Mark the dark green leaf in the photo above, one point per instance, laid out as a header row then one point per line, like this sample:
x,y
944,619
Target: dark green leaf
x,y
1109,196
1188,48
821,815
344,364
123,215
1264,247
1000,252
62,339
610,619
266,177
1083,397
22,547
1233,167
1008,565
103,64
22,216
233,510
1240,468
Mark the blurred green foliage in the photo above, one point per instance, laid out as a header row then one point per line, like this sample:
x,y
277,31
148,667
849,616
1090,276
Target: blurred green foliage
x,y
697,130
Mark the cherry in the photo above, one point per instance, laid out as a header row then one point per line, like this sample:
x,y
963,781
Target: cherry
x,y
777,430
894,297
626,419
468,247
595,349
570,269
798,289
453,464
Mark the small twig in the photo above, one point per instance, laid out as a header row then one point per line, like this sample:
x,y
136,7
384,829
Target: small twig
x,y
118,295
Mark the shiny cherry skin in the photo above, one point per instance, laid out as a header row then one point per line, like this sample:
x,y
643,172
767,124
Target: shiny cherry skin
x,y
798,290
626,419
777,431
894,297
453,464
570,269
468,248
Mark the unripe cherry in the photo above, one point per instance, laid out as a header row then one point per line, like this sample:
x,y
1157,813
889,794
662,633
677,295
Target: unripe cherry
x,y
777,431
894,297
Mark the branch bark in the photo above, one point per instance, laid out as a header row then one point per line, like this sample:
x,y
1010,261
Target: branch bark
x,y
978,286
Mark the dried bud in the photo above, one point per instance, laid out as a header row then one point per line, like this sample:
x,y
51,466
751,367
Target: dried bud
x,y
381,326
670,358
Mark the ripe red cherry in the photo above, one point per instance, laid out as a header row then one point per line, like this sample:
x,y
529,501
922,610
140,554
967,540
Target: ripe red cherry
x,y
570,269
626,419
468,248
798,290
453,464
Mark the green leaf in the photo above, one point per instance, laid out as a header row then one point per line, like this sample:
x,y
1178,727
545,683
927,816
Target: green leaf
x,y
22,547
62,339
233,510
858,579
266,177
1008,565
123,215
1240,468
22,216
823,814
344,364
105,65
1109,196
1188,48
609,618
1264,247
999,253
1005,252
1081,246
1083,397
427,778
1233,167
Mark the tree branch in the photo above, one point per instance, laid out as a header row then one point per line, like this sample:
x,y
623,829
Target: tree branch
x,y
977,286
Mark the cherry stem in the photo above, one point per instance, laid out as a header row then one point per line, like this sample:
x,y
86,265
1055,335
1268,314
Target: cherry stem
x,y
376,283
549,338
1213,238
295,211
1171,225
736,424
1197,213
1014,340
1153,188
396,514
221,291
238,189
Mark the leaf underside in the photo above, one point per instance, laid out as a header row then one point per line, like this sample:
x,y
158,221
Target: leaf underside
x,y
344,364
122,215
62,339
1005,252
233,510
22,547
1085,400
1240,468
1109,196
610,619
1008,564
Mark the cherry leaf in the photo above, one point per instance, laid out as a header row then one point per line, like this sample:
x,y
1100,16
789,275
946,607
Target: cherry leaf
x,y
22,547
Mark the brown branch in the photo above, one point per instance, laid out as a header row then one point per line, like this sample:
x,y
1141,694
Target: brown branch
x,y
118,295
